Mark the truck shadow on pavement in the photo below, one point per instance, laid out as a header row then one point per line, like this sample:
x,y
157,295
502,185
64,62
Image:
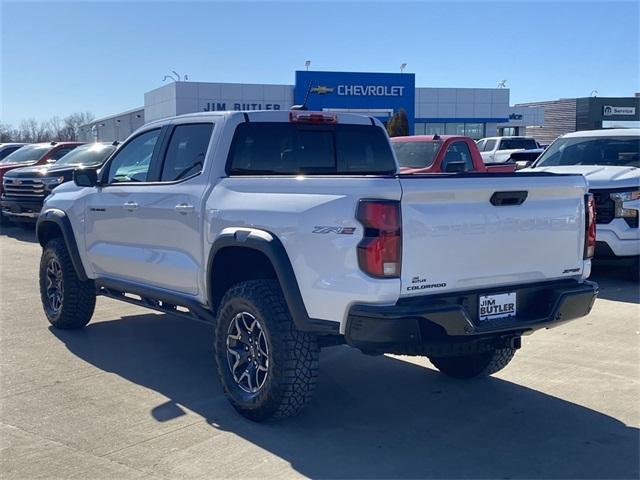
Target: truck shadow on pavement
x,y
616,284
372,417
23,234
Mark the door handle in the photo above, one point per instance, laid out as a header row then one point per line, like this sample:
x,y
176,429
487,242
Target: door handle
x,y
184,208
130,206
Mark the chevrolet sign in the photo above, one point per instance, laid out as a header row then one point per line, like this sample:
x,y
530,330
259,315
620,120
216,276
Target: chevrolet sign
x,y
371,90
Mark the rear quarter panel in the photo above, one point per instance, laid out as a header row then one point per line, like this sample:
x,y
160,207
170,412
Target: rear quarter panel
x,y
295,209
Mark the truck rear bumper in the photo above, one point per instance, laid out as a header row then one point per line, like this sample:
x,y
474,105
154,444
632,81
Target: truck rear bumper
x,y
454,317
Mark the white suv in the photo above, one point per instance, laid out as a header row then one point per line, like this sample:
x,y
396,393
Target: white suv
x,y
610,161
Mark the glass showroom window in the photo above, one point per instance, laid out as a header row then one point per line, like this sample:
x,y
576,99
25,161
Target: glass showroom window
x,y
474,130
454,129
419,129
434,128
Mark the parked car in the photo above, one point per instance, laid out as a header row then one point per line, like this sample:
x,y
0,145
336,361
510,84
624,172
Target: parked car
x,y
8,148
293,231
500,149
35,154
24,189
610,161
438,154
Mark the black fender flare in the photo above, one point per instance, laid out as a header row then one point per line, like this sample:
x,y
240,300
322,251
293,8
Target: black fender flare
x,y
60,219
269,244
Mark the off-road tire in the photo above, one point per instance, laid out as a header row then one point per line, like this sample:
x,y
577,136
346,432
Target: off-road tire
x,y
78,297
474,365
293,355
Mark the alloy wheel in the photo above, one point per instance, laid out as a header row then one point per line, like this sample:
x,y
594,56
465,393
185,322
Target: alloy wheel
x,y
247,352
55,286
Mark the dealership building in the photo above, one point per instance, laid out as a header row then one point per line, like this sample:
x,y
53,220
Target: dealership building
x,y
476,112
589,113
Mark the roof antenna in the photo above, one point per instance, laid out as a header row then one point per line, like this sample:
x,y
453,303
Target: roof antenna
x,y
306,97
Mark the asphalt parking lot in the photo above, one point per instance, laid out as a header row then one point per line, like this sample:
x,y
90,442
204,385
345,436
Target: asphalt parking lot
x,y
135,395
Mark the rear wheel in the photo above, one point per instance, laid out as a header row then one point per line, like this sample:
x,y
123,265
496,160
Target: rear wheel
x,y
268,368
68,302
474,365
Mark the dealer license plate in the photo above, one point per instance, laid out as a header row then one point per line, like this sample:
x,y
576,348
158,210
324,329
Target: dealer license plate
x,y
492,307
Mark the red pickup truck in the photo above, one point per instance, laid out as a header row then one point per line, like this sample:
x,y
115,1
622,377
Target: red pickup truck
x,y
442,154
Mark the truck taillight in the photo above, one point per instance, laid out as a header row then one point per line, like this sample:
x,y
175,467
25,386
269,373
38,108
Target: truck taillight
x,y
590,228
301,116
380,251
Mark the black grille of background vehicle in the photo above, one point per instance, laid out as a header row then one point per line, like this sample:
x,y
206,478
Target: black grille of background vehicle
x,y
632,221
605,206
23,187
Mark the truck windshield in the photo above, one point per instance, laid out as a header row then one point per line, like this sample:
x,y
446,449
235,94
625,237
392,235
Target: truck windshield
x,y
89,155
271,148
416,154
518,143
619,151
26,154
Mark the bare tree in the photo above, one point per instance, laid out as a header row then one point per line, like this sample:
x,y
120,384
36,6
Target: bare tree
x,y
30,130
56,127
8,133
74,121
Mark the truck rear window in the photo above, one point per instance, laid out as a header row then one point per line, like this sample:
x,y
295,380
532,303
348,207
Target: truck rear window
x,y
416,154
265,148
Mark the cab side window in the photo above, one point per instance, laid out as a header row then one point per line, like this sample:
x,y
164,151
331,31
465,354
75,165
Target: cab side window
x,y
489,146
458,152
186,151
131,163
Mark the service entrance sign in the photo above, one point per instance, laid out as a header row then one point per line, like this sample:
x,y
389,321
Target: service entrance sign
x,y
609,110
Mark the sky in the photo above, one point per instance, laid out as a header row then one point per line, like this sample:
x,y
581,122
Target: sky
x,y
62,57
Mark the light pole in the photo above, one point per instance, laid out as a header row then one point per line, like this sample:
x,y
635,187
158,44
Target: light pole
x,y
402,67
307,64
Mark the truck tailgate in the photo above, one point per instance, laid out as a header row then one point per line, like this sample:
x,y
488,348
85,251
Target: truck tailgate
x,y
476,231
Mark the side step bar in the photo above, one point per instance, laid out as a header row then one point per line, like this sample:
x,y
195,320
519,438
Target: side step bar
x,y
155,299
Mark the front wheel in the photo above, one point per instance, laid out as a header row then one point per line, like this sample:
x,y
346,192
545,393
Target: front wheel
x,y
474,365
68,302
268,367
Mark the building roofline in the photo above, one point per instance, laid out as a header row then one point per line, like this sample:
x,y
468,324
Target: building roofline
x,y
109,117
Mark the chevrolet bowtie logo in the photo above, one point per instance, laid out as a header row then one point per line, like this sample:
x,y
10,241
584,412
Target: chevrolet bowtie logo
x,y
321,90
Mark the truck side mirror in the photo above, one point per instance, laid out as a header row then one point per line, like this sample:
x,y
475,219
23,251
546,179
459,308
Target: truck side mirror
x,y
523,164
455,167
85,177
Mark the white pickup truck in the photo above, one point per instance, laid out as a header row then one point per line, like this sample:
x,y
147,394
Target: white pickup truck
x,y
610,161
500,149
292,231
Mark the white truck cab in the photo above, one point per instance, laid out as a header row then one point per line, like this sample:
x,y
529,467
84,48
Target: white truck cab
x,y
292,231
610,161
499,149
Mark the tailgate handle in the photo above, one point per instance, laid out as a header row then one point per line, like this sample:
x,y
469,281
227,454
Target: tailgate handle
x,y
503,199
